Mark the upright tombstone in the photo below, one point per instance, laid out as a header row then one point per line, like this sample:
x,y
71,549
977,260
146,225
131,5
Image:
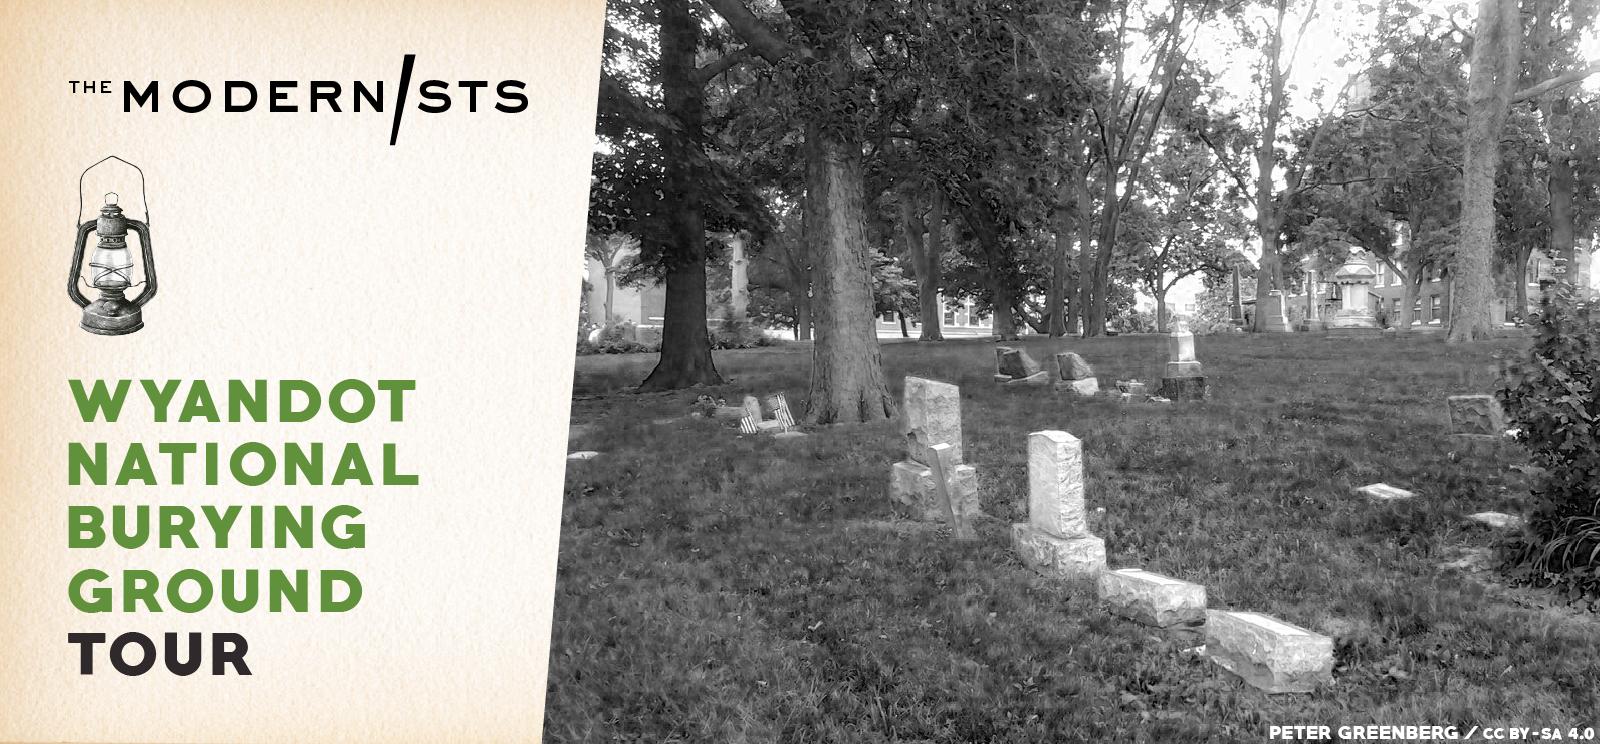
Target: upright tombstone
x,y
1354,317
1184,379
931,415
1313,321
1055,540
1277,315
1478,416
1012,365
1074,375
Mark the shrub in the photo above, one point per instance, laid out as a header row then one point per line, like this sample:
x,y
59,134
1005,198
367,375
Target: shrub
x,y
1553,396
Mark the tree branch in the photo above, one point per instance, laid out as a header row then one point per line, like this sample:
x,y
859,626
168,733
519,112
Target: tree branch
x,y
1555,82
709,71
761,38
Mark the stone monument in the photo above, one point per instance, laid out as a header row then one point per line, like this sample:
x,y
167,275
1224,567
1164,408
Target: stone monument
x,y
1354,317
1312,321
1272,655
1476,416
1013,365
1074,375
1055,540
1183,379
930,415
1276,314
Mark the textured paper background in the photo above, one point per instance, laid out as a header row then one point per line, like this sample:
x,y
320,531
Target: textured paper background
x,y
303,245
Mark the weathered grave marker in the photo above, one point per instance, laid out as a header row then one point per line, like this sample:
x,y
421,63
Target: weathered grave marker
x,y
1267,653
1055,540
754,421
1497,520
1074,375
1151,598
1184,379
931,414
942,464
1013,365
1385,492
1476,416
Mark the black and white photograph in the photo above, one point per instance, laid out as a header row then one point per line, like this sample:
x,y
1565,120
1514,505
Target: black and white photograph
x,y
1084,370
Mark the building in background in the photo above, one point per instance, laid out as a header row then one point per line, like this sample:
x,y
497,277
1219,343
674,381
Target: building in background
x,y
1431,307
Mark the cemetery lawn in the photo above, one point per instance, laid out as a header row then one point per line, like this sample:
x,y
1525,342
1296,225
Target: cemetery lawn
x,y
723,588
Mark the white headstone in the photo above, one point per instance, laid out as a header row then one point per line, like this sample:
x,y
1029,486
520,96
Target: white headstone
x,y
1055,483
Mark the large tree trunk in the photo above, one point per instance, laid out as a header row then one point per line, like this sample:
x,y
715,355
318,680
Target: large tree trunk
x,y
1495,51
1099,279
1078,304
802,318
1411,287
985,225
925,260
739,279
1161,311
1520,281
847,383
1563,233
685,344
1060,298
611,290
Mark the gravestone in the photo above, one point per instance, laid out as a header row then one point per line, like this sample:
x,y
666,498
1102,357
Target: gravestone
x,y
1275,314
1184,379
1269,654
755,422
1151,598
1476,416
930,414
1055,540
1497,520
1074,375
1013,365
1385,492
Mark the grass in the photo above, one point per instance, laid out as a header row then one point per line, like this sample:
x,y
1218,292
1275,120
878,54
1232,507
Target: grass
x,y
718,588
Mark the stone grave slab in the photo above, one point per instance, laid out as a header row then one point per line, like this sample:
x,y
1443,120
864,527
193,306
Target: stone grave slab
x,y
1151,598
1082,557
1476,415
1014,363
1269,654
1385,492
913,484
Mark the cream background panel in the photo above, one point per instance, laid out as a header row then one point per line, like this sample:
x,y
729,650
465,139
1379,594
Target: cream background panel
x,y
303,245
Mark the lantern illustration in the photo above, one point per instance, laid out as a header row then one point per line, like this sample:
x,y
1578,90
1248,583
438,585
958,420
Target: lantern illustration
x,y
110,268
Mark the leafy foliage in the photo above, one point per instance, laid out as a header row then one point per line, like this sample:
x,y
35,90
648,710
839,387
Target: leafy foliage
x,y
1553,396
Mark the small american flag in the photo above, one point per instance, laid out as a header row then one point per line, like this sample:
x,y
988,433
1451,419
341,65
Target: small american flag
x,y
780,411
748,425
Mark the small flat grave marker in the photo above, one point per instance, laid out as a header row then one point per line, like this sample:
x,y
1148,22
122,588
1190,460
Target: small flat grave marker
x,y
1385,492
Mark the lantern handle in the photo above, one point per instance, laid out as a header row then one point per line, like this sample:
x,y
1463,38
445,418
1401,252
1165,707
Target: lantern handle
x,y
143,195
143,231
77,265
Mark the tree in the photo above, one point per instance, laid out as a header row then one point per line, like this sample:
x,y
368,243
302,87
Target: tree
x,y
610,251
653,174
1491,89
847,383
1126,117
